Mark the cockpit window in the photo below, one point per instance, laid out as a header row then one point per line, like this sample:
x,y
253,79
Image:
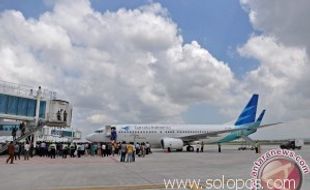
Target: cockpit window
x,y
99,131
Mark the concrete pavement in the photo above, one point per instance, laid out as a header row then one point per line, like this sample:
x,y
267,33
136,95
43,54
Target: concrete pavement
x,y
92,173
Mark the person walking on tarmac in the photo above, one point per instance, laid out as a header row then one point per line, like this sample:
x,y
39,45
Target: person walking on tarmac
x,y
142,149
257,147
65,149
219,147
130,151
26,151
103,150
198,147
17,151
52,148
11,150
72,150
123,151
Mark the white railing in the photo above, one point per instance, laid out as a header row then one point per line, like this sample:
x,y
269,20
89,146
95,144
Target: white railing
x,y
24,90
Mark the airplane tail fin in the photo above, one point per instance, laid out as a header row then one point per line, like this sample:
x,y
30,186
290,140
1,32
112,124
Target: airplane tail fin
x,y
260,118
248,114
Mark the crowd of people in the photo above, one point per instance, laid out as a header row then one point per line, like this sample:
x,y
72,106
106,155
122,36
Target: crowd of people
x,y
126,151
129,151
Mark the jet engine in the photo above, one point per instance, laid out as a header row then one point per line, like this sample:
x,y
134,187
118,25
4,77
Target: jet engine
x,y
172,143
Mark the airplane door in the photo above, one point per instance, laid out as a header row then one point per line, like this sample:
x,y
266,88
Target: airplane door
x,y
111,132
108,130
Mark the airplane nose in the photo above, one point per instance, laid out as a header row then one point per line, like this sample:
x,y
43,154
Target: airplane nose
x,y
89,137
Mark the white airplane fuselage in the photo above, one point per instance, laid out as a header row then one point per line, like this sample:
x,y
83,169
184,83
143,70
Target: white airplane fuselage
x,y
177,135
154,133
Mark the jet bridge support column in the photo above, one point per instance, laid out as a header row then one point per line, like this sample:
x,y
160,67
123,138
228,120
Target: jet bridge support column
x,y
39,92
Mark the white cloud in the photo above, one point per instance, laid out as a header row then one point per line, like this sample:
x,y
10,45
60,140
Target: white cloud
x,y
123,66
133,66
98,119
282,49
278,77
283,19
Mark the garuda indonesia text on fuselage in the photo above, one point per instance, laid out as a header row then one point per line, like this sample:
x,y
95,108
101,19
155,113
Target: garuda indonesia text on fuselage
x,y
176,136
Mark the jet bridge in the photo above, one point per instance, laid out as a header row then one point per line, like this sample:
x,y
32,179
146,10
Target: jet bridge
x,y
21,103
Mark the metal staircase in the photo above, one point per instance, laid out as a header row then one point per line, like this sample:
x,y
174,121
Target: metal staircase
x,y
26,135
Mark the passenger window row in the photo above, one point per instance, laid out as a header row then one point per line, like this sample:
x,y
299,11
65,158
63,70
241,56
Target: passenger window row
x,y
194,132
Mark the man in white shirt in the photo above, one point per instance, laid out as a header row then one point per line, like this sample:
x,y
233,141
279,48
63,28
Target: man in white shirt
x,y
26,151
52,148
82,148
43,149
103,150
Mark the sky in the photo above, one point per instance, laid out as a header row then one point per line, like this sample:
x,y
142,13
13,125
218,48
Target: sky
x,y
171,61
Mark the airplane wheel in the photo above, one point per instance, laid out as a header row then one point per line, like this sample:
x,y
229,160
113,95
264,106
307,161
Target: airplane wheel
x,y
190,149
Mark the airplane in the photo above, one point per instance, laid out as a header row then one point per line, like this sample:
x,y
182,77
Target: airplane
x,y
177,136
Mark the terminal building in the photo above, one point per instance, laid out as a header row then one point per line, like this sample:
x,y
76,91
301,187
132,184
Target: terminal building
x,y
39,109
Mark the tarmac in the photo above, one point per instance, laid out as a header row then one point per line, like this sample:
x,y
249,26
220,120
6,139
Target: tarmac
x,y
97,173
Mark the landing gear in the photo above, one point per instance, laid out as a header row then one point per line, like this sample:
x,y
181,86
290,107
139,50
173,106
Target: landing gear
x,y
253,143
257,148
190,148
219,148
169,149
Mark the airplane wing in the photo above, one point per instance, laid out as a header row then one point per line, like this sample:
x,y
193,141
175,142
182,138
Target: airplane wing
x,y
216,133
209,134
269,125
